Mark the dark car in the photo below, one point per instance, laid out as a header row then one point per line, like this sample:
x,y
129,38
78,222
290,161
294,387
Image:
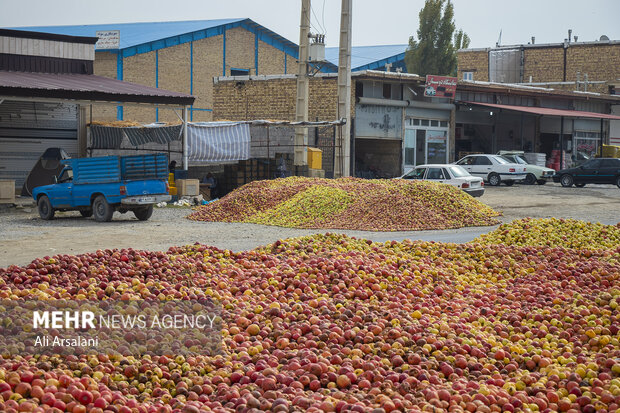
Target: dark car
x,y
593,171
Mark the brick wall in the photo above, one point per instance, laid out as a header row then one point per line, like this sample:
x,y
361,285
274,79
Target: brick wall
x,y
476,62
600,62
270,59
105,65
274,99
207,65
174,71
140,69
544,64
174,74
239,50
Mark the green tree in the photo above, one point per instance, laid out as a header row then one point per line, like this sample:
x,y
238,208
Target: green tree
x,y
434,52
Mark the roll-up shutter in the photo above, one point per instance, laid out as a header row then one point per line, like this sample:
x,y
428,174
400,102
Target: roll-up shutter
x,y
27,129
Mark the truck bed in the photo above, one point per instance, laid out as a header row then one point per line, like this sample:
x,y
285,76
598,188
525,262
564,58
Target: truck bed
x,y
109,169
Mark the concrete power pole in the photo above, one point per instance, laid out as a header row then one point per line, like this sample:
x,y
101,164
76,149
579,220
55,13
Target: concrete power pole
x,y
343,144
301,112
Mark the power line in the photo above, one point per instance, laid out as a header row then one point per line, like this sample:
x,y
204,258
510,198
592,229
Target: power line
x,y
322,29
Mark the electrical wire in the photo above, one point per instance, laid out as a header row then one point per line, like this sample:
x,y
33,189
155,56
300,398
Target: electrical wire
x,y
322,30
323,19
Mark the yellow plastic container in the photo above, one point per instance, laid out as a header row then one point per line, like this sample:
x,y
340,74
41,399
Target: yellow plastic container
x,y
315,158
611,151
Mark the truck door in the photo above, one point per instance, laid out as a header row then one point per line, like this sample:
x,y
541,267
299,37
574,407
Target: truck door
x,y
61,193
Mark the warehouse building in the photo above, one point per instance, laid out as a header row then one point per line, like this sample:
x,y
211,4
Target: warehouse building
x,y
186,56
47,88
181,56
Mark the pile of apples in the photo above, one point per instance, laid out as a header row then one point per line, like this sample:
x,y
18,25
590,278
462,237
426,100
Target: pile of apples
x,y
349,203
554,232
329,323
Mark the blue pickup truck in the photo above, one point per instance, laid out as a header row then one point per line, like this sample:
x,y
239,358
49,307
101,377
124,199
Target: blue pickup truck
x,y
100,186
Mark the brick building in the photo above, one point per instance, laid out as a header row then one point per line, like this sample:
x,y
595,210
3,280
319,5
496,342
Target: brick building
x,y
570,66
395,127
181,56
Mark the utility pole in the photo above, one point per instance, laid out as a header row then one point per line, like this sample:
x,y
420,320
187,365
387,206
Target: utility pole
x,y
301,111
343,149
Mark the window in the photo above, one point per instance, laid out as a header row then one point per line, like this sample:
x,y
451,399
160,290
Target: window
x,y
468,76
443,124
500,160
482,160
468,160
435,123
239,72
417,173
387,91
359,89
458,172
435,173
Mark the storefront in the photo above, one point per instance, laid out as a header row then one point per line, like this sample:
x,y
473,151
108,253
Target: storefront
x,y
426,141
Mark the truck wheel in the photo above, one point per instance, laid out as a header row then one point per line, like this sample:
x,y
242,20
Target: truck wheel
x,y
494,179
45,208
566,180
102,210
530,179
143,213
86,213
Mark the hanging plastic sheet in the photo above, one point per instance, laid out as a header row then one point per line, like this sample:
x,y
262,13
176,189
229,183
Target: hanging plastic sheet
x,y
111,137
106,137
153,133
218,141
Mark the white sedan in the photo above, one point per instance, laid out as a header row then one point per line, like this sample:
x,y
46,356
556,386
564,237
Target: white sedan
x,y
448,174
494,169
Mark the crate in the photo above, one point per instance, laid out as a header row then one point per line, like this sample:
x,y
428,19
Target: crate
x,y
7,192
188,187
315,158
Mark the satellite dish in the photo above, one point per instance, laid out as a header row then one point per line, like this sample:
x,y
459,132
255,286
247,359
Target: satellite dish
x,y
604,38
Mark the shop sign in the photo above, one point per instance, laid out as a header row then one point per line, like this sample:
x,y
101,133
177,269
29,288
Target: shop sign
x,y
440,86
374,121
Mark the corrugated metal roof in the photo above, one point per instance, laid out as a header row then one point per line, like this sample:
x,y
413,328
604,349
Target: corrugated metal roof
x,y
136,38
133,34
85,87
549,111
362,56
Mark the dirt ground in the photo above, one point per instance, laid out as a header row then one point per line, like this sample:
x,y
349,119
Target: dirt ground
x,y
24,236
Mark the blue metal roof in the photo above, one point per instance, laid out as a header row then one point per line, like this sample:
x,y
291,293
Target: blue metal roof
x,y
139,38
369,57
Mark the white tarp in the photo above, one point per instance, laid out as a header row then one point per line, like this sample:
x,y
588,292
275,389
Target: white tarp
x,y
218,141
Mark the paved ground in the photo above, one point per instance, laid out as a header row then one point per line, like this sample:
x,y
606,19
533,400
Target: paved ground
x,y
24,236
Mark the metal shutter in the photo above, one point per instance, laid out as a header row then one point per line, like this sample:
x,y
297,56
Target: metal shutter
x,y
27,129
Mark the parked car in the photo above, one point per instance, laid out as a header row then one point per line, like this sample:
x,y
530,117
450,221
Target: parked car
x,y
493,168
535,174
448,174
592,171
99,186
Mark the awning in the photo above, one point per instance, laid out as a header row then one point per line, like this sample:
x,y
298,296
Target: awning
x,y
68,86
549,111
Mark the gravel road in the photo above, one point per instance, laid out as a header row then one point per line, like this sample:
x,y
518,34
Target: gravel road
x,y
24,236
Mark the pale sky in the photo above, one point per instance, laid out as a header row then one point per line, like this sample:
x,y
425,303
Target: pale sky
x,y
375,22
